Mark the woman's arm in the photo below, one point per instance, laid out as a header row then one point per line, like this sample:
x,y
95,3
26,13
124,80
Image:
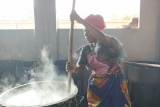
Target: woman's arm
x,y
98,34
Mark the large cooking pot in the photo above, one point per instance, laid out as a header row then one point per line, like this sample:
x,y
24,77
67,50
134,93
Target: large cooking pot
x,y
36,94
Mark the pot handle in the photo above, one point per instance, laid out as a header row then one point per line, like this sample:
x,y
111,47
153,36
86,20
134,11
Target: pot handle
x,y
76,101
79,99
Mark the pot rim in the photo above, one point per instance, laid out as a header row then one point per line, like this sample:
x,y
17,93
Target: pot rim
x,y
72,95
143,63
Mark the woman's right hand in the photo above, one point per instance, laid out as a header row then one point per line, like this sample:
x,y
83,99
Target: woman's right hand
x,y
71,66
75,16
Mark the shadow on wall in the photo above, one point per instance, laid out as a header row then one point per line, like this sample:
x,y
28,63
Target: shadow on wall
x,y
11,73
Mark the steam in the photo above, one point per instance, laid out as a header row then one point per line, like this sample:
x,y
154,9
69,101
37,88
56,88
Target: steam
x,y
43,70
43,89
46,71
4,83
37,94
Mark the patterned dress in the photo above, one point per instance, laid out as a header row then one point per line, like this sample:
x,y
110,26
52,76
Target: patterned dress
x,y
106,86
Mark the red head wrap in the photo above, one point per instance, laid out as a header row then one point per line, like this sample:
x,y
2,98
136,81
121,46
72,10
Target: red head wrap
x,y
96,20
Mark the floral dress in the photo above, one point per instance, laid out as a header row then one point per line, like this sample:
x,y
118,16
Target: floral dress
x,y
106,86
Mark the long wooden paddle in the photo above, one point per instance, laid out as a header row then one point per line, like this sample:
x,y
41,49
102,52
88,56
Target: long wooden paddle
x,y
70,47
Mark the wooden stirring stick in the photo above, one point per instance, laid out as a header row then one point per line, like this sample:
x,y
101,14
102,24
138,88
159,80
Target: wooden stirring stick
x,y
70,47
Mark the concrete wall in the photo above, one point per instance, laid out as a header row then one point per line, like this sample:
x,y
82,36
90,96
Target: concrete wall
x,y
139,44
18,45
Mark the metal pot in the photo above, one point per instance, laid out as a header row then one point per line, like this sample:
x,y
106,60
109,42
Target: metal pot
x,y
143,82
42,93
143,72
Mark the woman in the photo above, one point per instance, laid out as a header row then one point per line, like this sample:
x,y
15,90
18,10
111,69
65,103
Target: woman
x,y
103,55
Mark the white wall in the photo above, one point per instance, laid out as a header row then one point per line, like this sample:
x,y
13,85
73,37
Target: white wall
x,y
18,45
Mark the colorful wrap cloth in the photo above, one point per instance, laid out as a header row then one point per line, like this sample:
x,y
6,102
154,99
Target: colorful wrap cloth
x,y
108,90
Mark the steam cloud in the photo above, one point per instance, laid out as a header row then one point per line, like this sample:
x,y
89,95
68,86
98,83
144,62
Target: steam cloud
x,y
44,70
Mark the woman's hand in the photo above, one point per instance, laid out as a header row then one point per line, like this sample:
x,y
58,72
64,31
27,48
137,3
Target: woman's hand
x,y
71,66
75,16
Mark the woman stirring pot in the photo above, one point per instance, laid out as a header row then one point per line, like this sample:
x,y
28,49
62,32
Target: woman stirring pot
x,y
103,55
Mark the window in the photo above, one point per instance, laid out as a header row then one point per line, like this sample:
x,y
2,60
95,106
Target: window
x,y
116,13
16,14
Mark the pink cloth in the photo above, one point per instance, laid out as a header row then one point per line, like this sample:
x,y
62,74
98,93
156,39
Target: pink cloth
x,y
97,66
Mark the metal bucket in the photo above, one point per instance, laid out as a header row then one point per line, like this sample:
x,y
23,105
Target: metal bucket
x,y
39,94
